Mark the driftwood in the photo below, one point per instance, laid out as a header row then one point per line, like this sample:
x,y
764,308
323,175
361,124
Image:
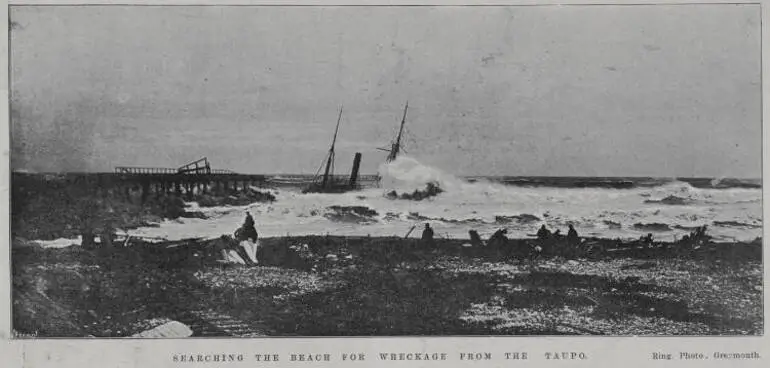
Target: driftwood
x,y
410,231
581,329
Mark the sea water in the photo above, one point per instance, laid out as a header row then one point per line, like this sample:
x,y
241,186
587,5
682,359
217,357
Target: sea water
x,y
603,207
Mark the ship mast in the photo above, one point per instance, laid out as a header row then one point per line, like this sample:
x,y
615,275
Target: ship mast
x,y
330,159
395,148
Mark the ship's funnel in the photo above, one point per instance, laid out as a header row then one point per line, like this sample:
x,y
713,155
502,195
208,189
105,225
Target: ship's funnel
x,y
354,172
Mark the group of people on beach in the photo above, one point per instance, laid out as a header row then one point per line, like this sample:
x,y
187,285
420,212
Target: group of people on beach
x,y
545,235
556,242
696,237
499,240
546,240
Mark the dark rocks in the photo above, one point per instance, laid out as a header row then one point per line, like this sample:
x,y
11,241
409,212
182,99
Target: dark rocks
x,y
432,189
655,226
354,214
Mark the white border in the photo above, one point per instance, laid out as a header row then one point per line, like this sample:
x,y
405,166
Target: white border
x,y
602,351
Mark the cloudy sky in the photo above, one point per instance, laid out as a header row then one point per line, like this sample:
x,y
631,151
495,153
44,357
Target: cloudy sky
x,y
583,91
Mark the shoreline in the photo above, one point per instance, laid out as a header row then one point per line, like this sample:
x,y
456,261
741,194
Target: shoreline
x,y
56,217
607,241
52,209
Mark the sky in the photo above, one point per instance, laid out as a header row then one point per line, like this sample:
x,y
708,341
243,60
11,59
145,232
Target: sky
x,y
651,90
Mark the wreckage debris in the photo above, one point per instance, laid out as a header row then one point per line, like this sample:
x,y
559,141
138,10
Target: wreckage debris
x,y
432,189
169,330
352,214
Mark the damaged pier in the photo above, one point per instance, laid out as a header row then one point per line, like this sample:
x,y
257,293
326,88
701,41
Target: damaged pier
x,y
194,178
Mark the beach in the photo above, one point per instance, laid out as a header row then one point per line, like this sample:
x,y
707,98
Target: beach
x,y
365,286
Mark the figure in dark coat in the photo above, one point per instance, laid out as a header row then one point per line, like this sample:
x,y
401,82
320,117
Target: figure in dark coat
x,y
543,233
427,235
476,239
247,230
498,239
572,235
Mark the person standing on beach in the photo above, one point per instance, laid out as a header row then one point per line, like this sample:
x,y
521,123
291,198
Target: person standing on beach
x,y
544,237
573,241
107,236
572,236
543,233
427,236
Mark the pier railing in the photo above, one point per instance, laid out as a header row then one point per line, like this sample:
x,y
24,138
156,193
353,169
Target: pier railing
x,y
144,170
167,171
197,167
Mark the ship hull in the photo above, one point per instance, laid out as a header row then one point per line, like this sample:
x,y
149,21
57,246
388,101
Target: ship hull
x,y
330,188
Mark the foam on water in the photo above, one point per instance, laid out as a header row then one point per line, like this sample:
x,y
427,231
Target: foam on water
x,y
487,206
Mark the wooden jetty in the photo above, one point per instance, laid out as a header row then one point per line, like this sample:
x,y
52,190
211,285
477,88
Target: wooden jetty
x,y
196,177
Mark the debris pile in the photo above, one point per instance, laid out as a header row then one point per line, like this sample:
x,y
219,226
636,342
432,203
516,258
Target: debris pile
x,y
432,189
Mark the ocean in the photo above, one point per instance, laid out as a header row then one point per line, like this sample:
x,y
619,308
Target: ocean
x,y
623,208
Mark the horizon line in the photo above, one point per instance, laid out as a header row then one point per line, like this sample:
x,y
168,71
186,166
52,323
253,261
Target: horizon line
x,y
23,171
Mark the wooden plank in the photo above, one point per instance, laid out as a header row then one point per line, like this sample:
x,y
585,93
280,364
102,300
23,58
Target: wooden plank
x,y
170,330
